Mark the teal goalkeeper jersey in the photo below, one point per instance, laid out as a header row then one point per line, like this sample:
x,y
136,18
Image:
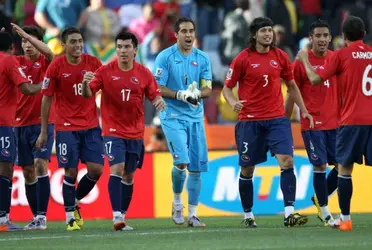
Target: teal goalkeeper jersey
x,y
176,71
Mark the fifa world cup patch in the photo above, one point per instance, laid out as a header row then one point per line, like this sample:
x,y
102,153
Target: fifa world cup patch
x,y
45,84
158,72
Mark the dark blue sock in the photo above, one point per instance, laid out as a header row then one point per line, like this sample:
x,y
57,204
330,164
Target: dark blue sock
x,y
4,195
32,197
10,197
332,181
288,186
69,193
320,187
44,194
114,188
86,184
345,191
246,192
126,196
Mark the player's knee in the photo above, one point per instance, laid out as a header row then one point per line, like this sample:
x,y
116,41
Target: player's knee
x,y
71,172
128,177
95,171
247,171
41,166
181,166
6,169
345,169
29,172
117,169
286,162
320,168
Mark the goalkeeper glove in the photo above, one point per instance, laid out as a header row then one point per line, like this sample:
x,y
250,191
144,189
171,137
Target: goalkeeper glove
x,y
186,96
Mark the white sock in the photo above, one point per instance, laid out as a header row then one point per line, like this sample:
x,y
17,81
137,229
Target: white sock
x,y
288,211
116,214
325,212
7,216
192,210
124,216
177,199
69,216
76,202
248,215
3,220
345,217
40,217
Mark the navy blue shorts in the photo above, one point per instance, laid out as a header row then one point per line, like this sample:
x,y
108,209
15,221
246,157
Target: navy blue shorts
x,y
354,142
320,146
26,138
86,145
7,144
119,150
255,138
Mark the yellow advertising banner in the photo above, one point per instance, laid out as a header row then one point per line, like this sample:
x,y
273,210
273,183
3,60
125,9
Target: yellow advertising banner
x,y
220,194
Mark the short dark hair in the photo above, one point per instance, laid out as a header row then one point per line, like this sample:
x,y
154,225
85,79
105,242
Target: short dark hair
x,y
353,28
125,35
34,31
319,24
257,24
69,31
6,41
182,20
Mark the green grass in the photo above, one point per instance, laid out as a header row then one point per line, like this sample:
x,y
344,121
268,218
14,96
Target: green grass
x,y
221,233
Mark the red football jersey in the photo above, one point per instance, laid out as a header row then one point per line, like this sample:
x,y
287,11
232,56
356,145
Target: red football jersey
x,y
353,66
322,101
122,100
28,106
258,76
63,81
11,76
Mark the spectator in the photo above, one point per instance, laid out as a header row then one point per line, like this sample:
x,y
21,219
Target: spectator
x,y
280,40
24,12
144,24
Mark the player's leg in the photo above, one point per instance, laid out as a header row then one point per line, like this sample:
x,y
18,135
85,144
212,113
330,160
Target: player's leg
x,y
175,133
133,160
67,147
316,148
350,146
7,157
91,153
252,150
331,156
26,161
41,160
280,142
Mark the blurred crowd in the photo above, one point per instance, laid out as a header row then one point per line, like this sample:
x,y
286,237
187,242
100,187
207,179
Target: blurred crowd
x,y
222,29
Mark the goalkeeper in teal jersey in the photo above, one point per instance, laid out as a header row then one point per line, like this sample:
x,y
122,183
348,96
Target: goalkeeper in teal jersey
x,y
185,78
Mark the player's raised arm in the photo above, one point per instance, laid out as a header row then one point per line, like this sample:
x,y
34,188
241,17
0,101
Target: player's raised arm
x,y
39,45
310,72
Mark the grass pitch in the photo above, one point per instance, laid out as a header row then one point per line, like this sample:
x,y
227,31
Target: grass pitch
x,y
221,233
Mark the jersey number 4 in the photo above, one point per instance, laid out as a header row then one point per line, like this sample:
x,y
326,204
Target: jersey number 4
x,y
367,82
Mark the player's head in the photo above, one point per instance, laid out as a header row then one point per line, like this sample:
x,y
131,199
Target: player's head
x,y
126,46
6,42
72,42
262,33
27,47
353,29
184,29
320,36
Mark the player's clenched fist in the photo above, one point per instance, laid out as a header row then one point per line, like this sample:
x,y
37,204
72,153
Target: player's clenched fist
x,y
159,103
88,76
238,105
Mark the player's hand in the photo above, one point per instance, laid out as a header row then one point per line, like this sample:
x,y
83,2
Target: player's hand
x,y
238,105
302,55
195,90
308,116
19,31
159,103
187,96
2,29
88,76
41,141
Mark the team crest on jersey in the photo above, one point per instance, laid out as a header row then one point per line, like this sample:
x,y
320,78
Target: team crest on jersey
x,y
36,65
134,80
45,84
193,63
229,74
5,152
176,157
274,64
158,72
63,159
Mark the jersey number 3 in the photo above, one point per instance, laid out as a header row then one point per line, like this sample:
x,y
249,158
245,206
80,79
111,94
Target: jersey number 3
x,y
266,77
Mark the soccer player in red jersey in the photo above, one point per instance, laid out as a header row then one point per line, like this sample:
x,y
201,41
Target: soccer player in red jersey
x,y
322,102
78,135
34,63
262,123
124,84
352,65
11,79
